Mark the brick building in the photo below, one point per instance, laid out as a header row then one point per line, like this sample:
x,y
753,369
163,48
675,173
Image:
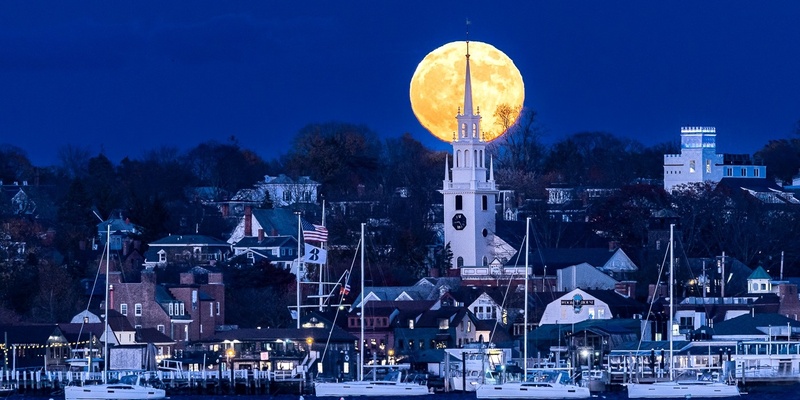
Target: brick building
x,y
185,312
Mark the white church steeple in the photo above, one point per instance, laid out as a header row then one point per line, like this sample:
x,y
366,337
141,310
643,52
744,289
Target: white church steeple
x,y
469,197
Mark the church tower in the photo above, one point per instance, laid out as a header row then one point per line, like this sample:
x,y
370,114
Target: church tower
x,y
469,190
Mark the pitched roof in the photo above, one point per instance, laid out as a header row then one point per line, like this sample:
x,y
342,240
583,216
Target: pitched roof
x,y
276,221
560,258
152,335
79,332
749,324
189,240
266,242
759,273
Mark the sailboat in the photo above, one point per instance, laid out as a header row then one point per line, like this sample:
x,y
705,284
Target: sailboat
x,y
392,385
129,387
678,388
556,385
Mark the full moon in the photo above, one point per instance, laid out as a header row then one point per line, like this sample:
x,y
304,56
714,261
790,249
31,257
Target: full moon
x,y
437,88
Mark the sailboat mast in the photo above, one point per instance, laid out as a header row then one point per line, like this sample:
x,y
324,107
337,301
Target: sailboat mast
x,y
671,301
525,314
106,358
361,344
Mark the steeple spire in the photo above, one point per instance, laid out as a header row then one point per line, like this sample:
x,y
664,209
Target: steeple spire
x,y
468,110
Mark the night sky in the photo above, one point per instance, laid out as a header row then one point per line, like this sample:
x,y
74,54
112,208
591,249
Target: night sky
x,y
124,77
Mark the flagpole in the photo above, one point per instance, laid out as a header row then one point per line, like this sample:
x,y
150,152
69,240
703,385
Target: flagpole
x,y
322,267
299,260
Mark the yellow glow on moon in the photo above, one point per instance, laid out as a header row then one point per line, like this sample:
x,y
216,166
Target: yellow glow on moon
x,y
437,87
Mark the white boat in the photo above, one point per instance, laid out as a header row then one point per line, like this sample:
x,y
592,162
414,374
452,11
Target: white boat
x,y
679,388
129,387
477,366
555,385
559,387
391,385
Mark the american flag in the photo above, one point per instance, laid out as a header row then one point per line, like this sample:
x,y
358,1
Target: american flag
x,y
314,233
345,290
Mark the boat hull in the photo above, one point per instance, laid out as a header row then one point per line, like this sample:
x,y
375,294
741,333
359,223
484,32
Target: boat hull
x,y
368,388
113,392
665,390
531,390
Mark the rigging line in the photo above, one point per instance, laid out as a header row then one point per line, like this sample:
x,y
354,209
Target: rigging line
x,y
541,258
94,287
652,300
333,325
505,295
341,301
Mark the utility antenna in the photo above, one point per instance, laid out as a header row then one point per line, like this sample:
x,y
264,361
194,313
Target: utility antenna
x,y
468,24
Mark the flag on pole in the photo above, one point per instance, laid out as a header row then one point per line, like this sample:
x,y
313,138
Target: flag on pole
x,y
345,289
314,233
315,255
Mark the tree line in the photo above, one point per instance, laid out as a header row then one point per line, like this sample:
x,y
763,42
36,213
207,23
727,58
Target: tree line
x,y
395,182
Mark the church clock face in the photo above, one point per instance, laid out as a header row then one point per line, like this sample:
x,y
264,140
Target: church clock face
x,y
459,221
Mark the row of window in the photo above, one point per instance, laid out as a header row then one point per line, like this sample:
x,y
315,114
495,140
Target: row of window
x,y
174,309
460,202
728,170
137,309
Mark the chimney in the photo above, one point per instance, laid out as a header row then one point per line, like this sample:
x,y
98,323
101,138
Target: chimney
x,y
626,288
225,210
612,245
110,297
260,235
248,221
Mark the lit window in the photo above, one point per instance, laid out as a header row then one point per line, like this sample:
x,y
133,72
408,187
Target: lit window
x,y
411,324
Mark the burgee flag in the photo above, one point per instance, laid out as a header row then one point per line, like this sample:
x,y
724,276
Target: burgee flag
x,y
315,255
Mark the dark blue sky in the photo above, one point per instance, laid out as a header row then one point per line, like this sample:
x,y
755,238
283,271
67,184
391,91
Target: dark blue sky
x,y
137,75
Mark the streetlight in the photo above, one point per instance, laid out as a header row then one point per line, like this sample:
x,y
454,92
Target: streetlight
x,y
309,342
229,354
